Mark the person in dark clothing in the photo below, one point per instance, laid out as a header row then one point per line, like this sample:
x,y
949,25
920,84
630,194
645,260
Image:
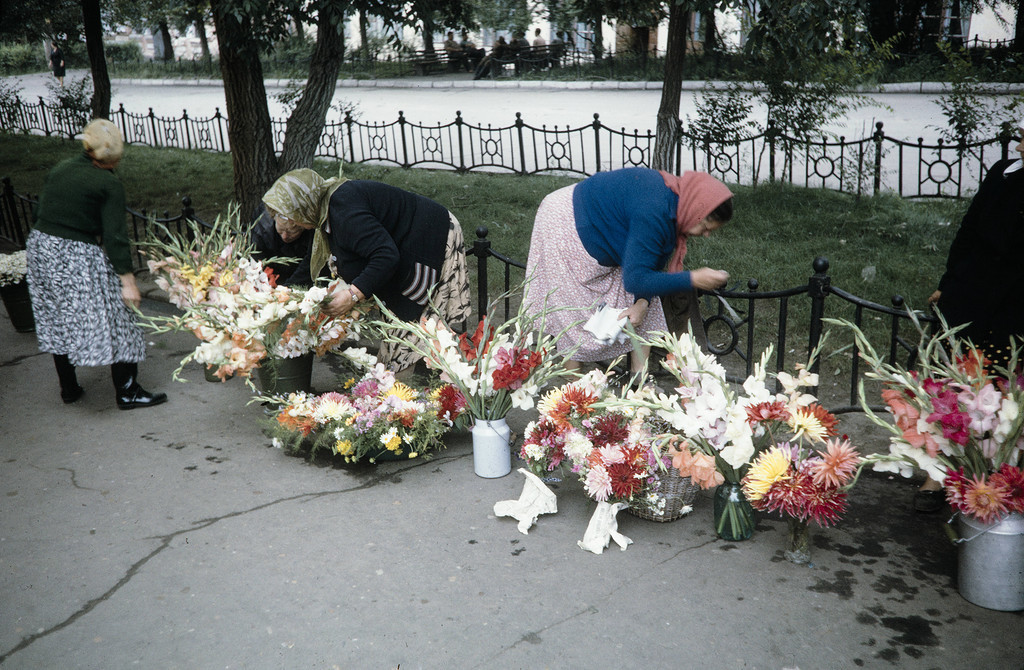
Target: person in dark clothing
x,y
983,275
269,243
400,247
983,267
57,62
83,293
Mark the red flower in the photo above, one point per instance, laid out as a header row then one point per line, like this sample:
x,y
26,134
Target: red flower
x,y
609,429
767,411
451,403
1010,479
470,347
624,480
271,277
954,421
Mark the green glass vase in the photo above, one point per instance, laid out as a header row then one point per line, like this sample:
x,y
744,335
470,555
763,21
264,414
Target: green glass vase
x,y
734,517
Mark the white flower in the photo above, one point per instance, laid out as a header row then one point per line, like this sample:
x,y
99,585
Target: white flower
x,y
577,446
522,397
360,357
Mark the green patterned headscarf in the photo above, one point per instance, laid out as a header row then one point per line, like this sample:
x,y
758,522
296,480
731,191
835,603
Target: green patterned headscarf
x,y
304,196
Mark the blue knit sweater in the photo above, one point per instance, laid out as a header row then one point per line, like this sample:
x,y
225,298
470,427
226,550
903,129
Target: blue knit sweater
x,y
627,218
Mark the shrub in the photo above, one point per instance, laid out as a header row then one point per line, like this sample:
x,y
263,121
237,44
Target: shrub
x,y
21,58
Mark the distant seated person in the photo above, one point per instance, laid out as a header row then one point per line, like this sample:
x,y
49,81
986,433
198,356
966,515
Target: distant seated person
x,y
271,241
495,59
456,56
473,54
556,49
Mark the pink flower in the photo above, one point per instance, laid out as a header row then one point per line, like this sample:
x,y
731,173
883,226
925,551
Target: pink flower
x,y
983,408
598,484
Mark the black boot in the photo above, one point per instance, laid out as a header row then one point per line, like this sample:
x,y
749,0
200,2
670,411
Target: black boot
x,y
70,391
127,390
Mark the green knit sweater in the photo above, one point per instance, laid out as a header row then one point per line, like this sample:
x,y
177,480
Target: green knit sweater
x,y
85,203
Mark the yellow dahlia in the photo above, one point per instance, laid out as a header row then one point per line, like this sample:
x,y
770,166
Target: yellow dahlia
x,y
814,421
770,467
402,392
343,447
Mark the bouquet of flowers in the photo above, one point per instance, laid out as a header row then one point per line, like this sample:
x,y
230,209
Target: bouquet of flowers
x,y
498,367
608,441
13,268
744,436
956,418
233,305
377,418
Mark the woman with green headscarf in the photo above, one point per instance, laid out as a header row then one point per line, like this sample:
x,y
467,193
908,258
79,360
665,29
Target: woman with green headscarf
x,y
401,247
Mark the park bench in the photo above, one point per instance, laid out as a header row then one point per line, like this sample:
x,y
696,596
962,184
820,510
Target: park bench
x,y
427,62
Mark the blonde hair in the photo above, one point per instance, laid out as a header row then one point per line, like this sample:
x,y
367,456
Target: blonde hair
x,y
103,141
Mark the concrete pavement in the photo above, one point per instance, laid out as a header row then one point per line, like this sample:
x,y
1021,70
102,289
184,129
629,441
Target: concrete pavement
x,y
178,537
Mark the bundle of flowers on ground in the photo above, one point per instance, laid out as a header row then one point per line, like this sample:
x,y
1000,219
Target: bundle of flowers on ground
x,y
607,440
376,418
13,268
232,303
501,366
955,417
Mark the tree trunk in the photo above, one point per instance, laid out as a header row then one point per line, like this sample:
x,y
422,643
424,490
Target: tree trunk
x,y
97,59
306,123
1018,30
428,36
667,131
710,31
245,97
204,43
165,36
364,44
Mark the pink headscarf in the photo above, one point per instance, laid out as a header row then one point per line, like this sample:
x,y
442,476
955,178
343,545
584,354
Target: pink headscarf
x,y
699,195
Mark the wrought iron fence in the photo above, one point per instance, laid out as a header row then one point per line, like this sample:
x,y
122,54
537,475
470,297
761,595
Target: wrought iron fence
x,y
739,323
739,328
16,214
867,165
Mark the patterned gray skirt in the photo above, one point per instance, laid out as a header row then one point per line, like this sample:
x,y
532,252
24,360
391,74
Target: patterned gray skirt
x,y
77,305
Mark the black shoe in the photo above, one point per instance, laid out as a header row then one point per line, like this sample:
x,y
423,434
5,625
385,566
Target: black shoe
x,y
71,395
129,394
136,396
928,502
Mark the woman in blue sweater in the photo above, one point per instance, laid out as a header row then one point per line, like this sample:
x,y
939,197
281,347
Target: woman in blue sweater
x,y
619,238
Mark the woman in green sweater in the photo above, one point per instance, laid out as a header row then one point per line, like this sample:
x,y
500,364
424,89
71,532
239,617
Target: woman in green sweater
x,y
82,298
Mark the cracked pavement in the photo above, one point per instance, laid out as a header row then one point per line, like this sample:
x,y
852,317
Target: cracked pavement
x,y
178,537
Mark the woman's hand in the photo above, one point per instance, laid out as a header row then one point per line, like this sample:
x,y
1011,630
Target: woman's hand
x,y
342,300
707,279
130,290
637,313
934,297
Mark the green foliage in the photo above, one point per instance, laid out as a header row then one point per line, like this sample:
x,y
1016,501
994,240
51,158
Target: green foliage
x,y
19,58
723,115
72,102
969,113
118,53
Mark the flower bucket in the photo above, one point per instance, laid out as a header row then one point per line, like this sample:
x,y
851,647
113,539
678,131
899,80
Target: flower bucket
x,y
492,455
280,376
19,306
991,563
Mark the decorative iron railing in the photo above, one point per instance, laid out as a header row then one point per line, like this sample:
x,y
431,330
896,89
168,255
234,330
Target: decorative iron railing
x,y
736,322
868,165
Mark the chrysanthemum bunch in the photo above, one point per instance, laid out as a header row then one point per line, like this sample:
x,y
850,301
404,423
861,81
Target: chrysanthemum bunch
x,y
378,418
718,430
956,417
13,268
233,305
802,481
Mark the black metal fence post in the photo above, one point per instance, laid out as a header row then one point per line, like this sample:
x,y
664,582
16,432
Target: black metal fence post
x,y
597,142
878,136
401,130
817,288
481,249
770,135
522,146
